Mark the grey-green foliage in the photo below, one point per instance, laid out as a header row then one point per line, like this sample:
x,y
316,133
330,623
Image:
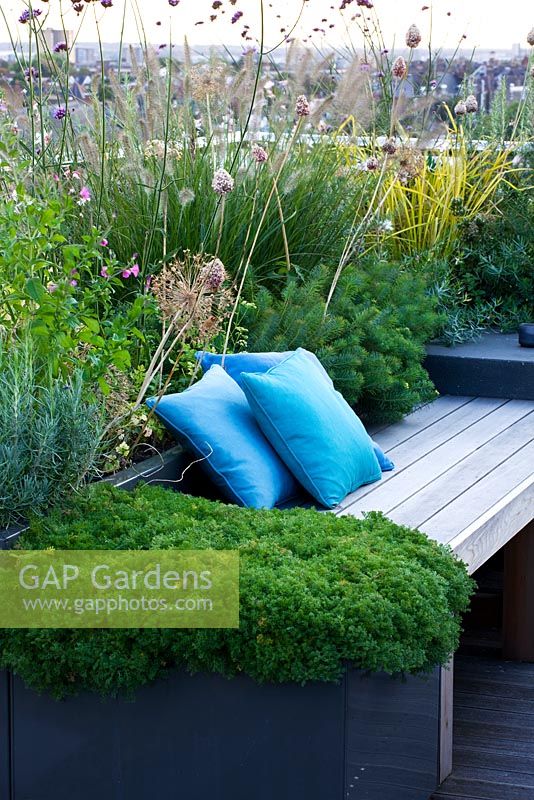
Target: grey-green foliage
x,y
49,434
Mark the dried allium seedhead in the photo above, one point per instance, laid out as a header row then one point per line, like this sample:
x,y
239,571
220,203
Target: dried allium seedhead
x,y
222,182
190,295
372,164
207,81
413,36
259,154
460,109
213,274
389,147
302,107
530,37
410,162
471,104
399,68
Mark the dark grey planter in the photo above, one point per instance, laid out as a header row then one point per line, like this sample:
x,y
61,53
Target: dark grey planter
x,y
202,737
198,737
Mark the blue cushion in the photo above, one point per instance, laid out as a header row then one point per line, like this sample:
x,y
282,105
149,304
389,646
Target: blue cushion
x,y
213,418
237,363
386,464
312,428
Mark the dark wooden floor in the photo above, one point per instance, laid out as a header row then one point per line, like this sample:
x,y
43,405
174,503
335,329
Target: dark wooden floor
x,y
493,731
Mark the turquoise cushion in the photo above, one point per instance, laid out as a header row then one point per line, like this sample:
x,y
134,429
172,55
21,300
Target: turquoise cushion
x,y
214,420
312,428
237,363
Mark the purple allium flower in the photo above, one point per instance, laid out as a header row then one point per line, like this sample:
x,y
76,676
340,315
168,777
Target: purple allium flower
x,y
530,37
222,182
259,154
28,14
84,195
213,274
237,16
372,164
413,36
471,104
399,68
302,107
60,112
60,47
460,109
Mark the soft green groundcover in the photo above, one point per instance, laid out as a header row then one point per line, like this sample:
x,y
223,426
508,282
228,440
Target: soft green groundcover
x,y
316,591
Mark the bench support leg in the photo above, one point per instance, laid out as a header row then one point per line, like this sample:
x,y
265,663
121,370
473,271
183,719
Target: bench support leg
x,y
445,722
518,607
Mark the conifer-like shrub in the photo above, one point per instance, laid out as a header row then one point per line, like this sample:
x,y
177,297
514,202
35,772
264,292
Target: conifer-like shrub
x,y
316,592
371,341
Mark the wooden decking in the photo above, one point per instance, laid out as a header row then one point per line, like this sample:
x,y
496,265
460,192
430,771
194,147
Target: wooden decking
x,y
493,731
464,474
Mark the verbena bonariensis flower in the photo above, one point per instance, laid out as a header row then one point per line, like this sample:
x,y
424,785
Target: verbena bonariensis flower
x,y
30,72
399,68
237,16
259,154
471,104
302,107
106,3
60,112
222,182
29,14
173,3
60,47
530,37
213,274
460,108
413,36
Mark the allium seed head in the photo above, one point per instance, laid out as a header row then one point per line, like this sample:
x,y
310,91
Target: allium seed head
x,y
213,274
413,36
372,164
302,107
222,182
471,104
460,109
530,37
399,68
389,147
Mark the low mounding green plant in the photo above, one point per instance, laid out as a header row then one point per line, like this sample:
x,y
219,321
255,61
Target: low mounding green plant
x,y
316,591
49,435
371,341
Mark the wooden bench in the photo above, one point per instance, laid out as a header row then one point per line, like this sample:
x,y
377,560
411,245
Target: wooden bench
x,y
465,476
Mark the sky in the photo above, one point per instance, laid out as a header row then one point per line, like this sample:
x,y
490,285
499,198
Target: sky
x,y
485,23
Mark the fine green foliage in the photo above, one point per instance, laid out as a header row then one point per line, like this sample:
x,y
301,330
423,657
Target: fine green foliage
x,y
315,591
49,435
371,341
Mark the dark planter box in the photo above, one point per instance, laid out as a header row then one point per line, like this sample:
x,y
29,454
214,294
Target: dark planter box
x,y
203,737
199,737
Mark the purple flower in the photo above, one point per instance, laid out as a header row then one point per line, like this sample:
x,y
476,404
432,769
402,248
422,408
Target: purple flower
x,y
104,272
106,3
222,182
29,14
60,112
60,47
302,107
134,270
173,3
73,282
399,68
259,154
51,287
104,243
84,195
413,37
148,282
237,16
214,274
31,73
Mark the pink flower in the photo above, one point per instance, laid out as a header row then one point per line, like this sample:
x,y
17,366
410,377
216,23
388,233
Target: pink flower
x,y
104,243
84,195
73,283
51,287
148,283
134,270
126,273
104,272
